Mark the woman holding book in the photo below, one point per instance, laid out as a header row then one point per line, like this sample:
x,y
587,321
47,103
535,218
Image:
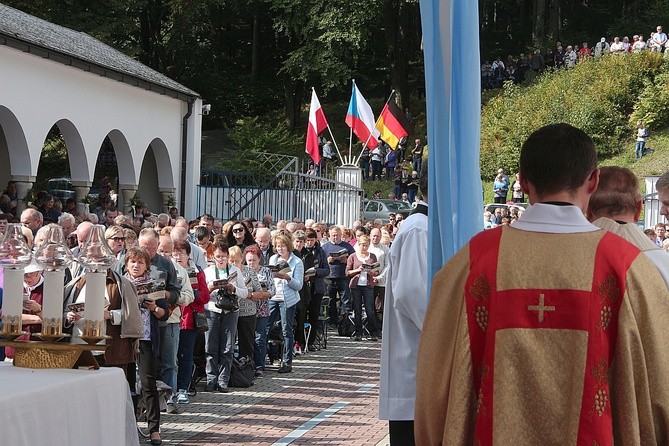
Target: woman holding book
x,y
246,323
189,330
152,311
288,280
220,338
252,255
360,267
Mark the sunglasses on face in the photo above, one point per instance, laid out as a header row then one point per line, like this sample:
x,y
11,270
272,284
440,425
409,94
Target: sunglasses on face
x,y
237,229
118,239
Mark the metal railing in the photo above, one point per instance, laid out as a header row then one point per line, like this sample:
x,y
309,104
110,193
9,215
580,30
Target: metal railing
x,y
279,190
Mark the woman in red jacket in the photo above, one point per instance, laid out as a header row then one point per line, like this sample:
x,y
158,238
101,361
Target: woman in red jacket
x,y
188,326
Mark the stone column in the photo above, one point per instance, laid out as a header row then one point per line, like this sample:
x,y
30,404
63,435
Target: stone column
x,y
23,185
165,194
81,190
127,191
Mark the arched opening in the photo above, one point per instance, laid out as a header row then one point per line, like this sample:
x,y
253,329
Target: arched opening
x,y
156,175
53,177
105,176
14,156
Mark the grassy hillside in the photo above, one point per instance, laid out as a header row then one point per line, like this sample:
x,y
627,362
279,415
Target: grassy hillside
x,y
603,97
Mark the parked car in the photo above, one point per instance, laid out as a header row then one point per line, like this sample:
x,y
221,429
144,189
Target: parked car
x,y
373,209
60,188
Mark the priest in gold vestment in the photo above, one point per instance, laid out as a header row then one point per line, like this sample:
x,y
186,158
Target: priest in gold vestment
x,y
551,331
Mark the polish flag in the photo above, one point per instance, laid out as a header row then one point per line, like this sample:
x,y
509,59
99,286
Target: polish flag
x,y
317,123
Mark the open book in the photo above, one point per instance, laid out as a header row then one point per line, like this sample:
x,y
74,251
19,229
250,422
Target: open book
x,y
310,272
220,283
281,267
151,290
371,267
341,252
192,276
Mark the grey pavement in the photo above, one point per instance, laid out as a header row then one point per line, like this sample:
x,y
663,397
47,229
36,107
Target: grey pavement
x,y
331,397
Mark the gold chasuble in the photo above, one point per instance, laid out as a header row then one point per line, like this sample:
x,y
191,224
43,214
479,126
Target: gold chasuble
x,y
537,338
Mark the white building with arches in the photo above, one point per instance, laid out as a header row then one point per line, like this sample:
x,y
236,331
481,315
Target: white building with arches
x,y
52,75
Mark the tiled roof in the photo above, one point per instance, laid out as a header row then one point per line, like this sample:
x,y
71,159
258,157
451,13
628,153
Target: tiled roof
x,y
18,25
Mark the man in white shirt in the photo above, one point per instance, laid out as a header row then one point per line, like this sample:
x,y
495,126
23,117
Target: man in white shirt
x,y
403,314
658,40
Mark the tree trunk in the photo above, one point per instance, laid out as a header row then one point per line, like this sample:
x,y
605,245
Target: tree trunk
x,y
293,92
539,26
555,21
255,44
397,20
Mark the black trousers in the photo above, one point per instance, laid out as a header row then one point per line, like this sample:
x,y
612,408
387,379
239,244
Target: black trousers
x,y
401,433
148,371
246,329
314,314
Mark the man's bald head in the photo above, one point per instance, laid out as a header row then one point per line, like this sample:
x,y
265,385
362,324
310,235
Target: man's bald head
x,y
83,231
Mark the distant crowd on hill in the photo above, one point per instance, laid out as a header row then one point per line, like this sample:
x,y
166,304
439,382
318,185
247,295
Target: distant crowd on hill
x,y
528,66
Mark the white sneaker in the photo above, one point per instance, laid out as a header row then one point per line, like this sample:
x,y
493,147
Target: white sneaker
x,y
182,397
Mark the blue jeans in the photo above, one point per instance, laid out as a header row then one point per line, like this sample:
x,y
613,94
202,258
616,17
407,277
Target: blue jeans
x,y
219,346
260,346
339,285
185,358
417,163
640,145
276,309
169,364
364,295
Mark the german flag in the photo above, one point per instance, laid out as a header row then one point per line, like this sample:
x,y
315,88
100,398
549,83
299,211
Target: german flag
x,y
392,124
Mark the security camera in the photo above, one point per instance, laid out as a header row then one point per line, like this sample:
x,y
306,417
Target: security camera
x,y
206,108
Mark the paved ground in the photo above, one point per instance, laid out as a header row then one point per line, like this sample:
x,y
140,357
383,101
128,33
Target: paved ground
x,y
331,397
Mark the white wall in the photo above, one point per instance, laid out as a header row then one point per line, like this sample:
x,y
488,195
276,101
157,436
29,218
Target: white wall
x,y
40,93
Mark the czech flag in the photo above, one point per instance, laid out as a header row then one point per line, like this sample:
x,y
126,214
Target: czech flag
x,y
317,123
392,124
360,118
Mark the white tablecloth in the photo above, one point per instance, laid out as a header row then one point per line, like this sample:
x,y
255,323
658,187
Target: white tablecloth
x,y
65,407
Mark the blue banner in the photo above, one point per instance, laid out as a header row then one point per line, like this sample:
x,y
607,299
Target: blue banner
x,y
453,91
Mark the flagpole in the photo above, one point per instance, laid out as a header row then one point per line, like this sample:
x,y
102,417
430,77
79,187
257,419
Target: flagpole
x,y
335,144
350,137
377,121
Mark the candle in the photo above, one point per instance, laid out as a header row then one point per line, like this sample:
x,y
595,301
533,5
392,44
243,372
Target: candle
x,y
14,256
94,303
52,302
12,300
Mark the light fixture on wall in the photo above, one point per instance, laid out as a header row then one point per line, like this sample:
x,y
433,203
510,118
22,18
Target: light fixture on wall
x,y
206,108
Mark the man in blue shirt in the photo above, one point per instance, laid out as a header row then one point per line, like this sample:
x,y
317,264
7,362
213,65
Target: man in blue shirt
x,y
337,252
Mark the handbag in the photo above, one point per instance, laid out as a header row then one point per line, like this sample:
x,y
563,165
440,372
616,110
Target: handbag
x,y
201,321
226,300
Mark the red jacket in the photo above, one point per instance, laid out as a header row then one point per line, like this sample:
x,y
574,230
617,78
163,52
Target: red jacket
x,y
188,312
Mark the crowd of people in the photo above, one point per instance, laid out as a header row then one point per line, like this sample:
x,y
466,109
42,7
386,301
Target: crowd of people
x,y
275,273
526,66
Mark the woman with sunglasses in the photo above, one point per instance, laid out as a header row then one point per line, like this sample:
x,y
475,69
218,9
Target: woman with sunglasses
x,y
239,235
116,240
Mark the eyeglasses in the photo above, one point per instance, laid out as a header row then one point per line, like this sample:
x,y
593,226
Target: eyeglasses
x,y
237,229
220,258
118,239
